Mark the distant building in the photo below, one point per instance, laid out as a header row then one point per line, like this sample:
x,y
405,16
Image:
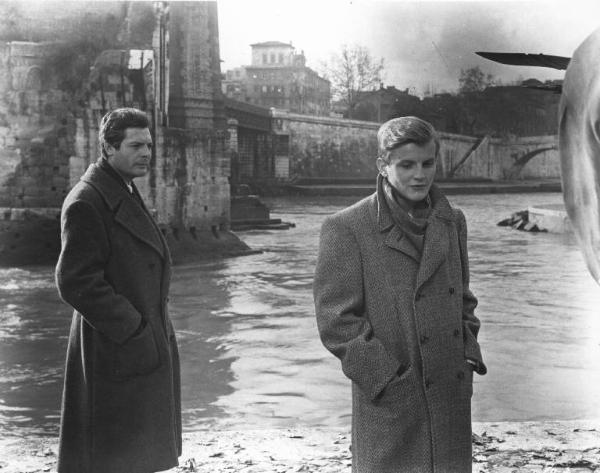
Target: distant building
x,y
278,77
385,103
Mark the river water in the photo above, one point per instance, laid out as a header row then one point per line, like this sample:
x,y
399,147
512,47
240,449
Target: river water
x,y
251,356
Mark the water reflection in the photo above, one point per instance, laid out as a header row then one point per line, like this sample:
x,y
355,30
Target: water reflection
x,y
251,356
198,297
33,339
540,311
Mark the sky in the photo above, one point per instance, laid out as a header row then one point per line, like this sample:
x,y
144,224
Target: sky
x,y
424,44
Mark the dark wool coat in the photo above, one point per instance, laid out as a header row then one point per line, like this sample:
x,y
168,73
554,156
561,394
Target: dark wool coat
x,y
121,402
403,327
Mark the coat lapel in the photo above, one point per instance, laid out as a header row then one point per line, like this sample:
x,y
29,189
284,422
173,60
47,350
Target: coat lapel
x,y
163,240
437,242
435,249
127,212
134,219
397,240
395,237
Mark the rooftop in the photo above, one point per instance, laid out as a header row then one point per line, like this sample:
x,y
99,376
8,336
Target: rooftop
x,y
270,44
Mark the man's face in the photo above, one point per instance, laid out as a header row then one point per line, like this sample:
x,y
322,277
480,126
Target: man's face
x,y
132,159
411,169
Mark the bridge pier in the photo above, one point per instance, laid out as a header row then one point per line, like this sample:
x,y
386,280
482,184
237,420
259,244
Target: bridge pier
x,y
51,138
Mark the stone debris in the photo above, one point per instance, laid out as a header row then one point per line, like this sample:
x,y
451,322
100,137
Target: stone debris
x,y
520,221
515,447
551,447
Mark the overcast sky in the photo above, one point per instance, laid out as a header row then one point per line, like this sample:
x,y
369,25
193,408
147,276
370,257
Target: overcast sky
x,y
422,43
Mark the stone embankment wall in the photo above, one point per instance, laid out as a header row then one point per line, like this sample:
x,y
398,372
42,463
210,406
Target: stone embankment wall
x,y
327,147
499,158
330,147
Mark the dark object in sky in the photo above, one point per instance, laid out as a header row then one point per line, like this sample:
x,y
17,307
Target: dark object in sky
x,y
523,59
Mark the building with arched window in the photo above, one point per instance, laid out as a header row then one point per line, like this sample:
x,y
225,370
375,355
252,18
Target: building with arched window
x,y
278,77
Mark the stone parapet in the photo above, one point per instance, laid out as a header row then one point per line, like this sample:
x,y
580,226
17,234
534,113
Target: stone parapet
x,y
326,121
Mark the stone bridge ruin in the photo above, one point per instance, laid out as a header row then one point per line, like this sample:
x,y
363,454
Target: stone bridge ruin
x,y
48,134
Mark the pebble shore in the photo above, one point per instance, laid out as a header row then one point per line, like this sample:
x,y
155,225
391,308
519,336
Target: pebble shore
x,y
503,447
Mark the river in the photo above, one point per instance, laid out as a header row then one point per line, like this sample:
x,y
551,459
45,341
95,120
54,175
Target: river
x,y
250,353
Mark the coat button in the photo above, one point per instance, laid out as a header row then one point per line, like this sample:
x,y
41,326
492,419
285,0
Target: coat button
x,y
424,339
151,265
428,383
419,295
451,290
460,374
456,332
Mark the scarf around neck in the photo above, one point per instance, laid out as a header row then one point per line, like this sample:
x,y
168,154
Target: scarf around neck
x,y
413,222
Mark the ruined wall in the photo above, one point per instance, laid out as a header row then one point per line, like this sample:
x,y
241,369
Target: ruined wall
x,y
36,129
47,141
189,186
329,147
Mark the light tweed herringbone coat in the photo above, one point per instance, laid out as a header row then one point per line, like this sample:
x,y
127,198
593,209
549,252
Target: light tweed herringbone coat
x,y
403,327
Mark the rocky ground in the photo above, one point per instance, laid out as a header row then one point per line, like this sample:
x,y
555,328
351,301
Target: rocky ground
x,y
502,447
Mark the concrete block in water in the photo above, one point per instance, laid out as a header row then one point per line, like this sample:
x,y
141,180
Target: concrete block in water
x,y
552,217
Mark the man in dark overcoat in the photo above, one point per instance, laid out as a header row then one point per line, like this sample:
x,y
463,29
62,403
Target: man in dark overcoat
x,y
393,304
121,410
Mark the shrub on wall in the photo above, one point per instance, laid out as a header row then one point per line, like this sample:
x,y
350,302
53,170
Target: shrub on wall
x,y
330,158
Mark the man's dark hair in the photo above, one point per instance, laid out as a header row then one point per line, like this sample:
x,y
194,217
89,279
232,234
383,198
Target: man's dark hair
x,y
114,124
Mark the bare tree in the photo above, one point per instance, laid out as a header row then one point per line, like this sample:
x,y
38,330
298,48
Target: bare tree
x,y
474,79
352,71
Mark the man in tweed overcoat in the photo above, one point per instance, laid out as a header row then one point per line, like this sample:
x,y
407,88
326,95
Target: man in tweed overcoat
x,y
393,304
121,410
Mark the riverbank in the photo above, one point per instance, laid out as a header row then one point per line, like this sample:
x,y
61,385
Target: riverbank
x,y
568,446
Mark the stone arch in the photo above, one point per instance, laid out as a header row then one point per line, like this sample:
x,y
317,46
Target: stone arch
x,y
521,161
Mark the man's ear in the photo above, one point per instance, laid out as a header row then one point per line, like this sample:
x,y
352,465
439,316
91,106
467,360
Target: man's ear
x,y
381,164
108,149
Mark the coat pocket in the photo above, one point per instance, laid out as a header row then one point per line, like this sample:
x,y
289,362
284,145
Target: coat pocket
x,y
136,357
396,389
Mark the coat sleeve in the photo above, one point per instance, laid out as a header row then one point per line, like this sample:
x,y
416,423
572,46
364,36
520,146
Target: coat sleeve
x,y
339,304
470,323
80,274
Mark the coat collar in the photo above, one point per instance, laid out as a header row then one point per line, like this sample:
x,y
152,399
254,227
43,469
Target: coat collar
x,y
436,242
127,212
